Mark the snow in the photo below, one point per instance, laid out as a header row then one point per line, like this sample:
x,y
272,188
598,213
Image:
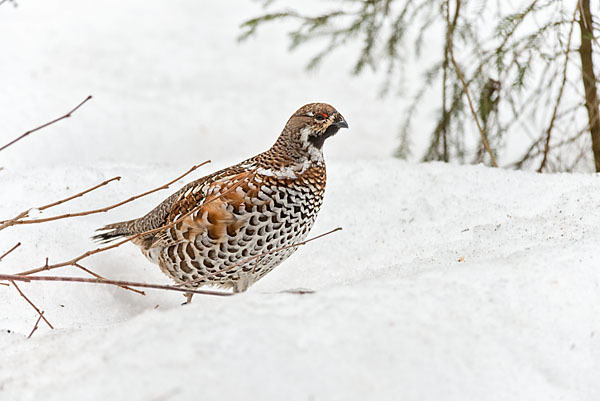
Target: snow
x,y
395,314
446,282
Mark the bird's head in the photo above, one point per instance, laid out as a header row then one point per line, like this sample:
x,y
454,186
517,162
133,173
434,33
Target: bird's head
x,y
311,125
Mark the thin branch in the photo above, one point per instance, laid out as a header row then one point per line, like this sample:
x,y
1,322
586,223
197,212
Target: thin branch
x,y
461,77
77,265
79,194
17,221
534,151
531,152
10,222
35,327
244,261
559,97
25,213
45,125
18,244
30,303
16,277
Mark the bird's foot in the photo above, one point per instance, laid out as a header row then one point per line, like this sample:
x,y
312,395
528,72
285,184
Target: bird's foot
x,y
188,298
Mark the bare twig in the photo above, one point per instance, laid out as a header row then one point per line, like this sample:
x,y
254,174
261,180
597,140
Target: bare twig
x,y
16,277
77,265
18,244
79,194
17,220
461,77
37,322
30,303
25,213
244,261
10,222
559,97
46,124
534,150
531,152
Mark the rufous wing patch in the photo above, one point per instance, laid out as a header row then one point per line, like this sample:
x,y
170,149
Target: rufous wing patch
x,y
214,217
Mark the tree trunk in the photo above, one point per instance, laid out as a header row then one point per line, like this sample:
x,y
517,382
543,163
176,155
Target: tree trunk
x,y
589,79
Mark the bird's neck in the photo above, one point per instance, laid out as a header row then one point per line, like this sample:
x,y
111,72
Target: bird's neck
x,y
292,150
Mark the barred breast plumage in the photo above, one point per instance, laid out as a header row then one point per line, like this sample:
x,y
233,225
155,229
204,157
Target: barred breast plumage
x,y
223,220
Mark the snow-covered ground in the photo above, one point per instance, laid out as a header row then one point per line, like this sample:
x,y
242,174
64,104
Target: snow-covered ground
x,y
446,283
395,315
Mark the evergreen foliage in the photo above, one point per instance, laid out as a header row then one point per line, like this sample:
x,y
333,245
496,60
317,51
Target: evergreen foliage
x,y
520,72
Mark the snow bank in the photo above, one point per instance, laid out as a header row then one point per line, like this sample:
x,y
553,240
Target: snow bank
x,y
446,283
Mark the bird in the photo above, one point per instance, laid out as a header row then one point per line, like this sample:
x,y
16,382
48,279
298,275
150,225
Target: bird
x,y
227,229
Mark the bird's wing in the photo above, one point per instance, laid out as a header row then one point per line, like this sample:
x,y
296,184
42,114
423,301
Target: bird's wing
x,y
204,208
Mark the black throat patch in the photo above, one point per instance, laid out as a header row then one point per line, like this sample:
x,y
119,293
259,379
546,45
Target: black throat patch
x,y
319,140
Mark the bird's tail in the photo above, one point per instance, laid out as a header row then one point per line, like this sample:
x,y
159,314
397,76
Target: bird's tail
x,y
114,231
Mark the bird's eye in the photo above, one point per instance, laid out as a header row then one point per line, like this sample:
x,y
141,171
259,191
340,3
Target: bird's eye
x,y
321,116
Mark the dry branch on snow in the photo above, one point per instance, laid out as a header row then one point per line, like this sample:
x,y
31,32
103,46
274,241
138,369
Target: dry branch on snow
x,y
46,124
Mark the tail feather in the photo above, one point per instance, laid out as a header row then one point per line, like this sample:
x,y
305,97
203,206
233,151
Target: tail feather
x,y
114,231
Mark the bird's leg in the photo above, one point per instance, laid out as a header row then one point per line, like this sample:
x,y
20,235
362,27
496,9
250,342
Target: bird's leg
x,y
188,298
241,285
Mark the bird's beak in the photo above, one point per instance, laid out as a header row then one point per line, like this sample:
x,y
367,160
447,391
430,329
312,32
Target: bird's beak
x,y
340,124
